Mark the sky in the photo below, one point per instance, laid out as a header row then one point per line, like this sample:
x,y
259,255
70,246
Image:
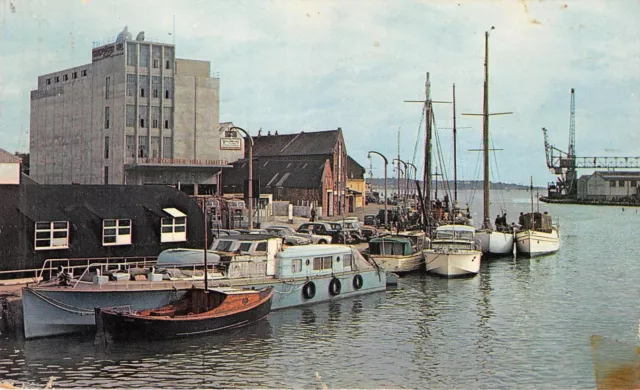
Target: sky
x,y
310,65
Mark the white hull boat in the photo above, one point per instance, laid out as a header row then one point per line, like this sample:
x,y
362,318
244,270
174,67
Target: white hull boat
x,y
400,264
535,243
452,263
398,254
454,252
496,243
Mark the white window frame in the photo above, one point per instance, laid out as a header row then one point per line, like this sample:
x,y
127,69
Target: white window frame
x,y
121,230
173,229
54,228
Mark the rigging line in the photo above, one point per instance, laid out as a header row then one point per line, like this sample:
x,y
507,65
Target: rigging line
x,y
418,139
497,170
443,173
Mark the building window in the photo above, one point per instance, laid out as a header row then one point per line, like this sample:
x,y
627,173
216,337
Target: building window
x,y
143,146
106,175
155,147
116,232
65,77
612,183
131,146
107,88
144,84
106,117
144,56
83,72
168,87
131,115
174,229
167,64
106,147
155,117
167,148
52,235
57,79
131,84
621,183
132,54
168,57
144,113
296,265
230,134
75,75
155,86
156,63
168,118
633,183
49,81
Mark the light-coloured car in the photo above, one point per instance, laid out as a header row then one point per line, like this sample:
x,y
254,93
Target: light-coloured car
x,y
289,236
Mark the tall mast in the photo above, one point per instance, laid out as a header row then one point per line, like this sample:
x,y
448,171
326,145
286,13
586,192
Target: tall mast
x,y
427,148
455,159
398,171
486,223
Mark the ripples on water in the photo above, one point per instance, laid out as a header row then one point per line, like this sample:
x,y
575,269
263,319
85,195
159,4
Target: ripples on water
x,y
520,323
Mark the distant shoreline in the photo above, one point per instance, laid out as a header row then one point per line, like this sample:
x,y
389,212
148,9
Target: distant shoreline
x,y
462,185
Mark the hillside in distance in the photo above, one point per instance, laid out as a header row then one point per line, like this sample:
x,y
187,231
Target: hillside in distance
x,y
462,184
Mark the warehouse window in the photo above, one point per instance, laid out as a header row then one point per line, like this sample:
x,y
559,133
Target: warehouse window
x,y
52,235
116,232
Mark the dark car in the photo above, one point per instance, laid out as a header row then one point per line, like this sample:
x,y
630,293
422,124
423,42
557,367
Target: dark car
x,y
371,220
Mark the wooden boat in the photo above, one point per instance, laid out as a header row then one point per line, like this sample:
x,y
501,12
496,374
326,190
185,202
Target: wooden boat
x,y
538,235
400,254
199,311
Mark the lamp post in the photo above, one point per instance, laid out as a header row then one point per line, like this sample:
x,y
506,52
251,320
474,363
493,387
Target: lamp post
x,y
386,162
243,131
405,173
415,173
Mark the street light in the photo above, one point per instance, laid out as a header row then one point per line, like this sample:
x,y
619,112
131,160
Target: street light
x,y
386,162
243,131
415,173
405,173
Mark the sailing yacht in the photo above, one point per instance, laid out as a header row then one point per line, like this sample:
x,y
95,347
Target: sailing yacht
x,y
498,241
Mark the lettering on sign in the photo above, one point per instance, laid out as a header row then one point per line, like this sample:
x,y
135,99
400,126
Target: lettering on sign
x,y
182,161
230,144
107,51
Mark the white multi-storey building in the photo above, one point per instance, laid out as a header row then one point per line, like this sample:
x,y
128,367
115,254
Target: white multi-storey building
x,y
134,115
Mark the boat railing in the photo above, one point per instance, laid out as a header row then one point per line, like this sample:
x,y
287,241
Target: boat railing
x,y
51,267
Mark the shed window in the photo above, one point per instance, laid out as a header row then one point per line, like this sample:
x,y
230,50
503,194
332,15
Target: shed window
x,y
116,232
52,235
174,229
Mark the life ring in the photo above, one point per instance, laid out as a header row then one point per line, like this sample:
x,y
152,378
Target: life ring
x,y
309,290
335,286
357,282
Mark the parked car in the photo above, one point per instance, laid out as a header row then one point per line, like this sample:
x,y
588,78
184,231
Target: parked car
x,y
371,220
289,236
224,233
369,232
352,228
321,232
253,231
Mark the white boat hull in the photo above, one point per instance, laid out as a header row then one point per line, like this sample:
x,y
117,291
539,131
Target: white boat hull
x,y
453,262
495,243
400,264
533,243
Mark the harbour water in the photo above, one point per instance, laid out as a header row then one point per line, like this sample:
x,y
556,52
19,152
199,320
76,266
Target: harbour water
x,y
522,323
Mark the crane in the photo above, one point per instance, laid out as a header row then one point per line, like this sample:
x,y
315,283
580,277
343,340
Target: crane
x,y
564,164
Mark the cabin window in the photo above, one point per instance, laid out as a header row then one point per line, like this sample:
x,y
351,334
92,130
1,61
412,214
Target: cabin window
x,y
620,183
224,246
320,263
317,263
326,262
347,260
116,232
174,229
245,246
52,235
262,246
296,265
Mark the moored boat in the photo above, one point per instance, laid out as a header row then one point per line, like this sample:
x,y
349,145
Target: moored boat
x,y
199,311
300,275
453,252
538,235
400,253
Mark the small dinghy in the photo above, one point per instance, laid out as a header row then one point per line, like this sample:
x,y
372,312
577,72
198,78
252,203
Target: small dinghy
x,y
199,311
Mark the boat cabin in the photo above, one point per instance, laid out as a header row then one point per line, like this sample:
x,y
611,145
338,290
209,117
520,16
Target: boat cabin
x,y
454,237
395,245
536,221
318,260
247,255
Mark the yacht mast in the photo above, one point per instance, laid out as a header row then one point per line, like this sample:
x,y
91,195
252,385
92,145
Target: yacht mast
x,y
455,159
486,222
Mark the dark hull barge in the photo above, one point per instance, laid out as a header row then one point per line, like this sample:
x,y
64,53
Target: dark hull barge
x,y
197,312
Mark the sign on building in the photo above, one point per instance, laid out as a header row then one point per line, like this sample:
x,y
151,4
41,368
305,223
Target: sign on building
x,y
230,144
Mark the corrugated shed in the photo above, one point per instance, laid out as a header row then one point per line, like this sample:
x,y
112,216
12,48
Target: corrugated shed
x,y
276,172
619,175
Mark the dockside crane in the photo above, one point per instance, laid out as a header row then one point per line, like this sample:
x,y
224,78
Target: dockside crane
x,y
565,164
